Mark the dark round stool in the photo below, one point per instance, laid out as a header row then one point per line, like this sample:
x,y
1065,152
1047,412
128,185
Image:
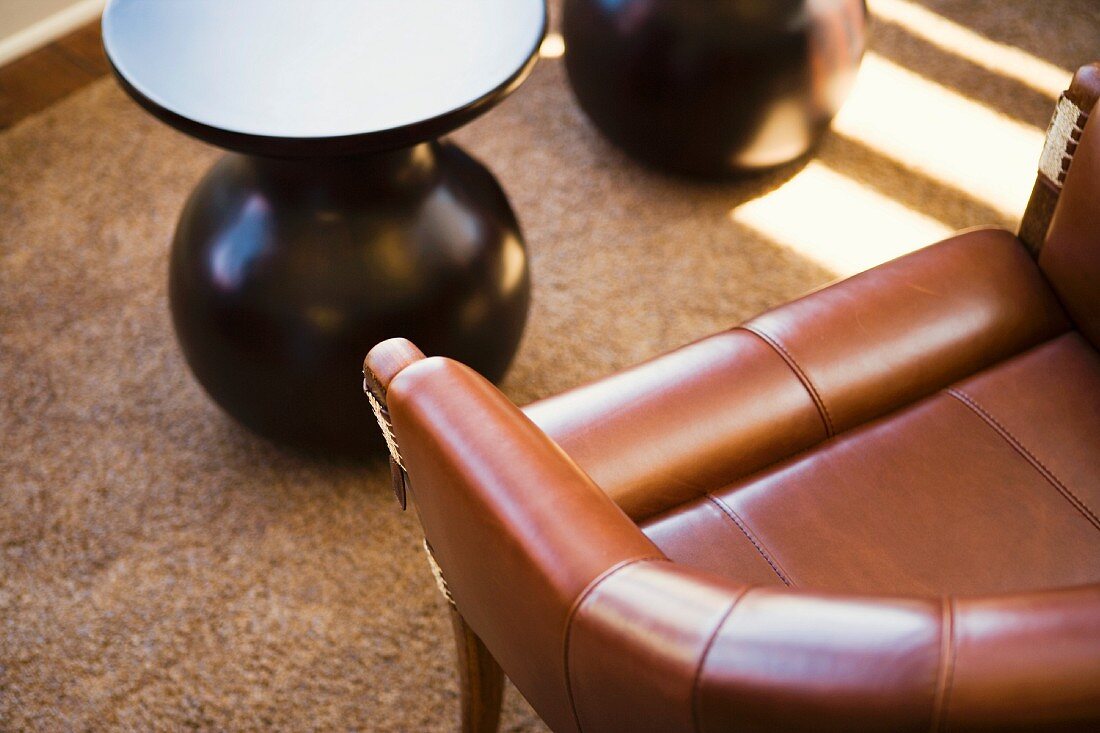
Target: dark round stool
x,y
339,220
713,88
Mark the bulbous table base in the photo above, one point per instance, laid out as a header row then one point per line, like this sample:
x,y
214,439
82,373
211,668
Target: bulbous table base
x,y
285,272
713,88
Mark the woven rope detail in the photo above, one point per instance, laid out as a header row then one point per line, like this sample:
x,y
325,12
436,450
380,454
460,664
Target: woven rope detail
x,y
1064,131
384,424
437,573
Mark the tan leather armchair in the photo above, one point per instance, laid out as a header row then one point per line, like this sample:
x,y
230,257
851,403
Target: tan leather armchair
x,y
871,509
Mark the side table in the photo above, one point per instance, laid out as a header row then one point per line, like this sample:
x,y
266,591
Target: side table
x,y
338,220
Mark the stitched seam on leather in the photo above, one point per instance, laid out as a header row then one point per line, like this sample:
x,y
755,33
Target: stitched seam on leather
x,y
1030,457
695,724
946,672
737,520
595,582
785,355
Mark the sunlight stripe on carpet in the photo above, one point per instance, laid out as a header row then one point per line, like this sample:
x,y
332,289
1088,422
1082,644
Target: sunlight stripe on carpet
x,y
837,221
1000,58
943,134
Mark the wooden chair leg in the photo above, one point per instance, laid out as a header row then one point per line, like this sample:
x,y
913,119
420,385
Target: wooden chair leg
x,y
480,679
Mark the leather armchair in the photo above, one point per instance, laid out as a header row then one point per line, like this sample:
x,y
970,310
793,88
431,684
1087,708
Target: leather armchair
x,y
871,509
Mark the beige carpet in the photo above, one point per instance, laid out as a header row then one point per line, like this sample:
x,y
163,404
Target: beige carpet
x,y
161,569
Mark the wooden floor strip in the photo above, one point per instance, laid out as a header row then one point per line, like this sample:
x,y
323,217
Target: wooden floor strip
x,y
41,78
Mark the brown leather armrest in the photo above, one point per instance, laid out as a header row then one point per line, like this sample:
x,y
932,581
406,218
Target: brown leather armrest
x,y
519,531
662,648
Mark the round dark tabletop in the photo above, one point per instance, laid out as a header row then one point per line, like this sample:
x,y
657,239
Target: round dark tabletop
x,y
296,78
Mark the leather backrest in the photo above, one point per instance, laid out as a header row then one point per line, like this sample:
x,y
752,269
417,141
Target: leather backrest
x,y
670,429
715,411
889,336
1070,257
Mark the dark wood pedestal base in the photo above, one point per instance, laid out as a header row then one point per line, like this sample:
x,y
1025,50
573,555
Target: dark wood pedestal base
x,y
285,272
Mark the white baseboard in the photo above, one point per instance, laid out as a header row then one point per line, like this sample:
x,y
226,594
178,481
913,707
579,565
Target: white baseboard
x,y
49,29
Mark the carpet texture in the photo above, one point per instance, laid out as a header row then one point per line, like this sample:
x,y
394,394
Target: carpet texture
x,y
162,569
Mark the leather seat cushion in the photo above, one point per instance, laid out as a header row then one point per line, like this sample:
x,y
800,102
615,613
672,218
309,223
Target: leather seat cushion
x,y
990,485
